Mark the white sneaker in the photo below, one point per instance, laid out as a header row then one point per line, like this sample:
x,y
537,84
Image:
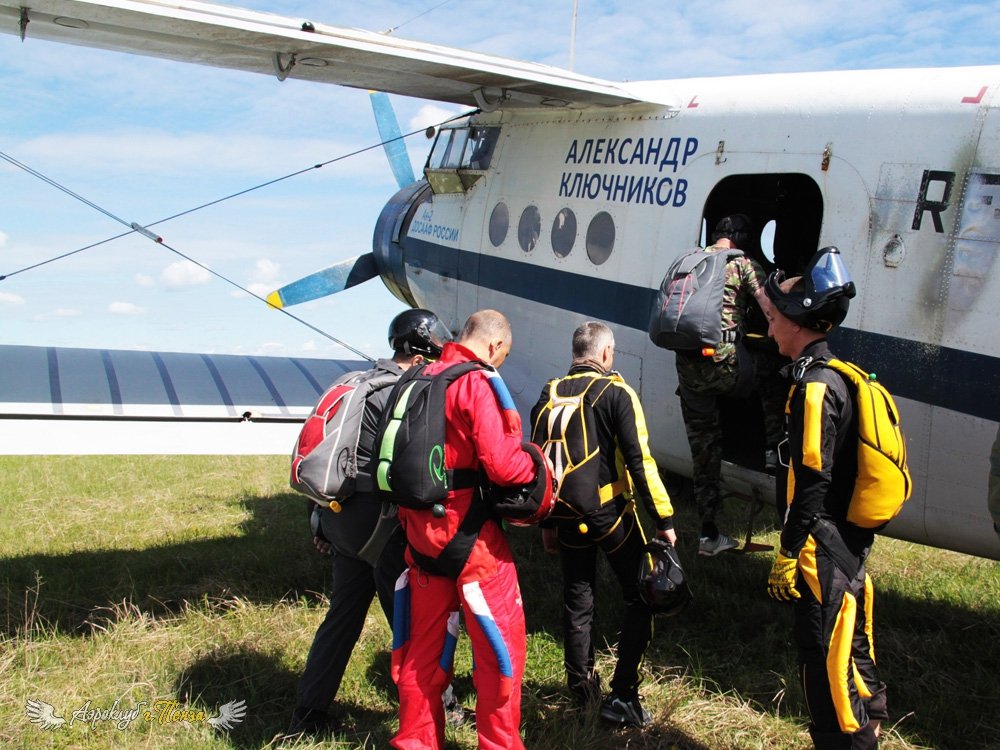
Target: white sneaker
x,y
712,547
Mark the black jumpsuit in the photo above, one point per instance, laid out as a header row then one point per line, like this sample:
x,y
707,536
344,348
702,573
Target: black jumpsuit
x,y
603,503
833,617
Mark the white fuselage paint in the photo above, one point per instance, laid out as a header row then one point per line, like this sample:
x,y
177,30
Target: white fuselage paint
x,y
867,140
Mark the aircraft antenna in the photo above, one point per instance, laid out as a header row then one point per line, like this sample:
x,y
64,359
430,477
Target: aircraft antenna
x,y
389,31
572,36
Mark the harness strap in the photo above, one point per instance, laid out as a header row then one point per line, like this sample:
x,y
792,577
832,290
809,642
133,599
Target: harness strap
x,y
458,479
452,558
463,479
610,491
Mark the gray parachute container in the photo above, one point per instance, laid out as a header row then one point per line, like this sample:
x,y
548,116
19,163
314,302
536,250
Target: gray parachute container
x,y
688,309
325,456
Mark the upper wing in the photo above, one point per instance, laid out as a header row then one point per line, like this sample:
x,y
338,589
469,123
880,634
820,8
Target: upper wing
x,y
264,43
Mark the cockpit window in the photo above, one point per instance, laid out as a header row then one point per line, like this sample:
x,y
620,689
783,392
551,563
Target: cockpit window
x,y
482,143
464,148
456,149
460,156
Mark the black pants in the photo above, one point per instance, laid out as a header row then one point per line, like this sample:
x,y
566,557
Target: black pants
x,y
833,632
355,584
615,530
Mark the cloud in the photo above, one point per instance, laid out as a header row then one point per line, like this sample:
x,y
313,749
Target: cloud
x,y
143,280
260,289
265,270
271,349
58,313
3,239
432,114
10,299
185,273
125,308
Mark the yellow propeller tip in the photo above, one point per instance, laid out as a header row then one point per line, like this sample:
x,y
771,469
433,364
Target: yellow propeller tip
x,y
274,300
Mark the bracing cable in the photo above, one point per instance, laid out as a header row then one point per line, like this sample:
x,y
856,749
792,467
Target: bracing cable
x,y
144,230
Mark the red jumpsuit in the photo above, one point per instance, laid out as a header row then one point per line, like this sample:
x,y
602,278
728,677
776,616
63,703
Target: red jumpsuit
x,y
479,435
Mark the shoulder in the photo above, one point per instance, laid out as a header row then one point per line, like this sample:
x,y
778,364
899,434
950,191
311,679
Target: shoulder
x,y
748,267
615,385
836,388
387,365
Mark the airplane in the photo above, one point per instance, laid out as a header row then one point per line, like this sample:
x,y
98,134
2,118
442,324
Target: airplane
x,y
564,198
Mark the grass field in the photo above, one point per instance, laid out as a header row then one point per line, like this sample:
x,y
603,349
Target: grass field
x,y
128,581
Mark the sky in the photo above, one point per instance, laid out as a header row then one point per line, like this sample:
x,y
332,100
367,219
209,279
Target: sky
x,y
144,139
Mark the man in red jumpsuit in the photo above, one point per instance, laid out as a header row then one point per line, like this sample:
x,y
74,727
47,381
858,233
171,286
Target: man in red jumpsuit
x,y
482,434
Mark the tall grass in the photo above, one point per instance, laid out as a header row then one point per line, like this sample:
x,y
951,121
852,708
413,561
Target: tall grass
x,y
192,580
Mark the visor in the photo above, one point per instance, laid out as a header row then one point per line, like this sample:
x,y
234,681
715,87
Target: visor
x,y
829,272
439,333
821,299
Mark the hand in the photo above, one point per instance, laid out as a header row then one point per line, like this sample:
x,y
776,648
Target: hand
x,y
669,535
550,541
322,546
781,581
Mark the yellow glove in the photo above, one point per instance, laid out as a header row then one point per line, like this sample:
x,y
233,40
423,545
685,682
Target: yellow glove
x,y
781,581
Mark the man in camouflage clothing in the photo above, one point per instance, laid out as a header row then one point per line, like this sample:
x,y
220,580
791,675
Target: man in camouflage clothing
x,y
703,378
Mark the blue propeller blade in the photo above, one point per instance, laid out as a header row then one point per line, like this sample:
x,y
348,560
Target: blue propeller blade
x,y
352,271
336,278
388,129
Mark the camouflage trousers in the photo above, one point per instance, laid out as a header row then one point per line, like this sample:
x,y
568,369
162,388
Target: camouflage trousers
x,y
701,381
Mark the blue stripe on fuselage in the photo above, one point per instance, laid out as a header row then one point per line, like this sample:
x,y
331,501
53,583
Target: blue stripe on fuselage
x,y
949,378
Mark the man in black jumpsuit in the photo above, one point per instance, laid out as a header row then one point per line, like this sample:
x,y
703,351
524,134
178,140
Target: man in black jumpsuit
x,y
821,564
364,540
596,511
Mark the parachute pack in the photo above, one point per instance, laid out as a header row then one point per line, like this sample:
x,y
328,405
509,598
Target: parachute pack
x,y
325,456
409,443
567,433
883,483
688,311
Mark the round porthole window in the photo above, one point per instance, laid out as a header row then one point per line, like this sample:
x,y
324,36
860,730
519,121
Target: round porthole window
x,y
529,228
563,232
499,224
600,238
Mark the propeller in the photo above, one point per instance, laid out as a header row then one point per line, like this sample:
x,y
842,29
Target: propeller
x,y
353,271
392,139
336,278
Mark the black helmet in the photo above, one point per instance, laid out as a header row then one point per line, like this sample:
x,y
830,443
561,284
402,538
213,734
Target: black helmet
x,y
526,505
662,583
418,332
735,227
821,298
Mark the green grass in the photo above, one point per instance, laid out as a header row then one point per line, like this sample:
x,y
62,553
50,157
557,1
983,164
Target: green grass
x,y
137,579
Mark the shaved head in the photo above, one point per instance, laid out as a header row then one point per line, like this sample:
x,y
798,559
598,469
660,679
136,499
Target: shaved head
x,y
485,325
488,334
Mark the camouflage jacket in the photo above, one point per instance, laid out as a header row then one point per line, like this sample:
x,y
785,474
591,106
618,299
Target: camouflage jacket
x,y
744,277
